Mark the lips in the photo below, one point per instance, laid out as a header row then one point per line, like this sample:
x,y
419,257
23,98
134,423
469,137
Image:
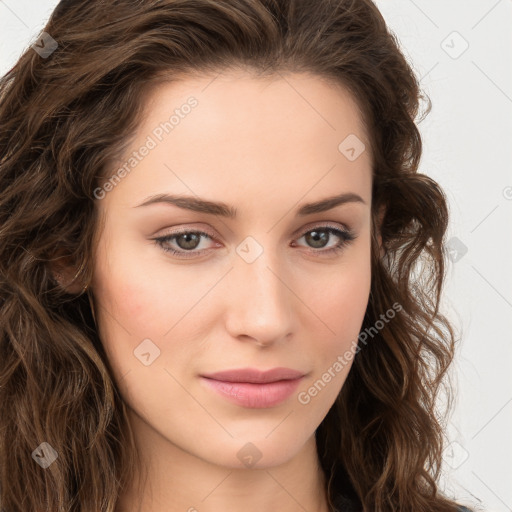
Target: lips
x,y
253,388
255,376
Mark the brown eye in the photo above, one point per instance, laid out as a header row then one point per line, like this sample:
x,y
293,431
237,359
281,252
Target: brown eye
x,y
186,242
318,238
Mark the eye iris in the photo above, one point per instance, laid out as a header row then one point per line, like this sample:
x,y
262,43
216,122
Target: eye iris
x,y
194,237
317,235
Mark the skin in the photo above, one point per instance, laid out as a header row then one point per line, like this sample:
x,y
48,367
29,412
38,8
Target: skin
x,y
264,146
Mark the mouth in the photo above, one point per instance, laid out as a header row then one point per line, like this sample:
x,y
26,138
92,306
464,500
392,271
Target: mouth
x,y
252,388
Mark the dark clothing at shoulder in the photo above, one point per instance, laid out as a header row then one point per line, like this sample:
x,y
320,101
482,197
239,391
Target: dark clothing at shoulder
x,y
345,498
343,504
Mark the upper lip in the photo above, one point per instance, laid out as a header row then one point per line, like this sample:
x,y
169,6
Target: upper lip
x,y
254,375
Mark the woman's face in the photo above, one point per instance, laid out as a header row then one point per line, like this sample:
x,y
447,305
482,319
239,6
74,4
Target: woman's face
x,y
265,288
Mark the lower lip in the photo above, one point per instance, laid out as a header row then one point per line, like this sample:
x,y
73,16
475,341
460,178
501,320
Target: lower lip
x,y
255,396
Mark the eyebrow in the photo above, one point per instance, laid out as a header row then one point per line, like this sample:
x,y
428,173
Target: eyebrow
x,y
197,204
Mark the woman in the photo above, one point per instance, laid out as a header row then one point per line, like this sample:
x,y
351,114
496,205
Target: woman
x,y
220,268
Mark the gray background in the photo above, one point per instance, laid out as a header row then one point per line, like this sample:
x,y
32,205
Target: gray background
x,y
467,149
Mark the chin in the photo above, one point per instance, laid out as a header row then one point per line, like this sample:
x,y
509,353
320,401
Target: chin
x,y
256,451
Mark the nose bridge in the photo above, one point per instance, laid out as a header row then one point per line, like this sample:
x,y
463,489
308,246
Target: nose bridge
x,y
259,304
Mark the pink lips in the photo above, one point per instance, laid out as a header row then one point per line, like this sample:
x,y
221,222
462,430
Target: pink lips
x,y
253,388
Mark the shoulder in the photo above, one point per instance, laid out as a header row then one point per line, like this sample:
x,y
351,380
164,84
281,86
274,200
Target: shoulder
x,y
344,504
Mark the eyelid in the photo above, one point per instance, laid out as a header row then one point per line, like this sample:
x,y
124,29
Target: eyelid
x,y
322,224
186,229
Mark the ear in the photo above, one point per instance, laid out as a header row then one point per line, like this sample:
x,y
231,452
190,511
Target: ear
x,y
67,273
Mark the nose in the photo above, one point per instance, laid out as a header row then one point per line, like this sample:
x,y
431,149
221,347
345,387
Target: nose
x,y
259,302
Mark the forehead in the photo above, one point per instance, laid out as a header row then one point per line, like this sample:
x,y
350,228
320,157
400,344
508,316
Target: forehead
x,y
240,98
248,135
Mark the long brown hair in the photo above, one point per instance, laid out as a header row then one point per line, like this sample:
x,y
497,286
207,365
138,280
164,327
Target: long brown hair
x,y
65,116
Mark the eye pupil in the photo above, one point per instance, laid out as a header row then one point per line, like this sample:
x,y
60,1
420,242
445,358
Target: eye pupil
x,y
194,237
317,235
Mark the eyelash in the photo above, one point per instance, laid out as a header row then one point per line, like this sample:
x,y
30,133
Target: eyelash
x,y
346,236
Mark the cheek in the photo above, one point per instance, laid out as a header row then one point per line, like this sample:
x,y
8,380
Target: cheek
x,y
125,309
143,305
351,300
342,299
130,289
145,311
130,300
342,307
